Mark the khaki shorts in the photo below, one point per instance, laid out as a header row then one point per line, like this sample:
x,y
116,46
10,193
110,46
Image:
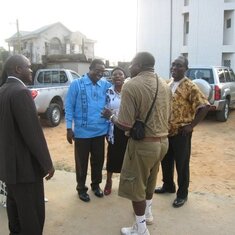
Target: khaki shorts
x,y
140,167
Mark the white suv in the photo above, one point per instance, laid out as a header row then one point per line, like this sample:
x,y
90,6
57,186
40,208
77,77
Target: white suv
x,y
218,84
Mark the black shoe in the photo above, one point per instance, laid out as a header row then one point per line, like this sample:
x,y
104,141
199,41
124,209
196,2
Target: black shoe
x,y
178,202
162,190
98,192
84,197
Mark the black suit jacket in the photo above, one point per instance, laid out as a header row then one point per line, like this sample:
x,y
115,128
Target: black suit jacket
x,y
24,155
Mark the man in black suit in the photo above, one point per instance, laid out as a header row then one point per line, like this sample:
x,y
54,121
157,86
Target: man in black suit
x,y
24,155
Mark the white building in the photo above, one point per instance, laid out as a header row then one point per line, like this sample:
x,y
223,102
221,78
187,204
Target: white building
x,y
54,39
202,30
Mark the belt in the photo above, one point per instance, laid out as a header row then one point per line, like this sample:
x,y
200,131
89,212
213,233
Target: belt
x,y
154,139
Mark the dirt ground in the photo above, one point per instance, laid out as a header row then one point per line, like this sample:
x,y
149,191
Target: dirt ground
x,y
212,159
209,210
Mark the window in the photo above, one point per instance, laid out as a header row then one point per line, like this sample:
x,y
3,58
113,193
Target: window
x,y
55,46
232,76
44,77
227,75
63,77
107,73
227,63
187,27
221,75
196,73
40,77
72,48
228,23
55,77
51,77
47,77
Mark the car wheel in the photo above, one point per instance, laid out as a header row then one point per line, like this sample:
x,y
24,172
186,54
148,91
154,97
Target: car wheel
x,y
222,116
53,115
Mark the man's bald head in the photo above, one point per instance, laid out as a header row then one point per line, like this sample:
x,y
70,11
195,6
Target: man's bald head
x,y
143,61
14,61
19,67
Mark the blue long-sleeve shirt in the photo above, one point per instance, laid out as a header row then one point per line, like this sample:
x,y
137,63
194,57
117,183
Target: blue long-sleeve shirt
x,y
84,104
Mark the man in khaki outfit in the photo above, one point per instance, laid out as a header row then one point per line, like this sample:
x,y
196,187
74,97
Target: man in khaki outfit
x,y
142,157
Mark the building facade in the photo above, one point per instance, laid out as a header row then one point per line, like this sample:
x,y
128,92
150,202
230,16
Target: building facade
x,y
54,39
202,30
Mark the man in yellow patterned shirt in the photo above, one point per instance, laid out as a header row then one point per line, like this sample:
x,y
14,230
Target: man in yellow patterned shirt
x,y
189,107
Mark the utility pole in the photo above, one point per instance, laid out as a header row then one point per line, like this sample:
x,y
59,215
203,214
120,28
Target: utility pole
x,y
18,36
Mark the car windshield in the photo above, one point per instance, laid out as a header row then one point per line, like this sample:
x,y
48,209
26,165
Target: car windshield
x,y
200,73
107,75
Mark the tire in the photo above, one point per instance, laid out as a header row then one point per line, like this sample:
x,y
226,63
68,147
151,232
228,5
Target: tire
x,y
222,116
53,115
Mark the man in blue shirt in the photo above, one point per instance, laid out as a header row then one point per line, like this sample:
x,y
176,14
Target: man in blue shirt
x,y
86,127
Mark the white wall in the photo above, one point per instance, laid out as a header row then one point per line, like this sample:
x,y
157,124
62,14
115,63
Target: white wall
x,y
206,36
204,45
153,26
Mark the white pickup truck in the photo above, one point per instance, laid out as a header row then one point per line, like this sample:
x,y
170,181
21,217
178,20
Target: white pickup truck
x,y
49,92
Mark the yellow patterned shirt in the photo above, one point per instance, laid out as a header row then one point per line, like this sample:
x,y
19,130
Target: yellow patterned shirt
x,y
186,100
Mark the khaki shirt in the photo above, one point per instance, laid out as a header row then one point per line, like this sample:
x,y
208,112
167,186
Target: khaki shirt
x,y
186,100
136,99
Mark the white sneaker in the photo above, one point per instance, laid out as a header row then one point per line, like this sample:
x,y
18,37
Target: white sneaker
x,y
149,218
133,231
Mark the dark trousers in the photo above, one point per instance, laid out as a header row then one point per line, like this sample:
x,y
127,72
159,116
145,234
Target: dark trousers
x,y
179,152
26,208
84,147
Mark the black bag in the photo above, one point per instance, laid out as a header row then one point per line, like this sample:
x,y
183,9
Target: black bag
x,y
137,132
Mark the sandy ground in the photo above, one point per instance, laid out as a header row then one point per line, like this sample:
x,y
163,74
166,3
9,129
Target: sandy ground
x,y
209,210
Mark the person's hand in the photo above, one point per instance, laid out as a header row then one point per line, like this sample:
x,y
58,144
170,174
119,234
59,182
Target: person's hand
x,y
184,130
106,113
50,173
70,136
